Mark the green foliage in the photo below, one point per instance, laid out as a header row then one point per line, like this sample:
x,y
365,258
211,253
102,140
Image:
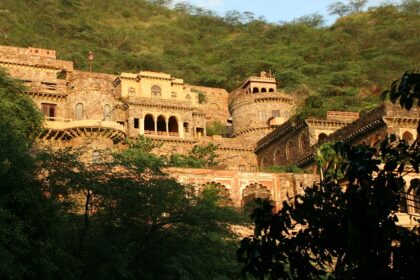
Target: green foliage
x,y
206,153
29,233
179,160
202,98
406,90
215,128
343,232
284,169
199,157
139,156
348,233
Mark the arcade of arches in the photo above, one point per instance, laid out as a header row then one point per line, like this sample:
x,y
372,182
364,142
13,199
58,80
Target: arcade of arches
x,y
242,187
161,125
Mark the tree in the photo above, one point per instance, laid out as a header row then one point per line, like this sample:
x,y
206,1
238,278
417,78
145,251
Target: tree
x,y
30,223
344,232
200,156
341,9
215,128
357,5
139,223
338,8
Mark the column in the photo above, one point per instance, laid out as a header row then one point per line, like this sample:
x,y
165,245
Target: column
x,y
181,129
155,121
141,120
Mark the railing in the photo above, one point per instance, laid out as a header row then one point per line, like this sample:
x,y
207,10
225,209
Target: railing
x,y
52,119
161,133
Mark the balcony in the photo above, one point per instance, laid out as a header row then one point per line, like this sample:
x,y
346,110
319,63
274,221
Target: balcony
x,y
66,129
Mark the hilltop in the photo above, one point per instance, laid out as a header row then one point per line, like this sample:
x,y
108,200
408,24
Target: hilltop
x,y
343,67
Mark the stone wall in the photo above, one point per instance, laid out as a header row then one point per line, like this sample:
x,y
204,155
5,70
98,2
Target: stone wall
x,y
215,106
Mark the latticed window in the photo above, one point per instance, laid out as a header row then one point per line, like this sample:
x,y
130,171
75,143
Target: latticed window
x,y
107,112
131,91
156,91
275,113
262,115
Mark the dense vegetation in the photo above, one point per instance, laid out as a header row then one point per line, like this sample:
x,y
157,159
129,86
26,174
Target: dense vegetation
x,y
349,62
120,218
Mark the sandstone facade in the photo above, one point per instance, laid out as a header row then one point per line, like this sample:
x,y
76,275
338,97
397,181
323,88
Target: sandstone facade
x,y
99,111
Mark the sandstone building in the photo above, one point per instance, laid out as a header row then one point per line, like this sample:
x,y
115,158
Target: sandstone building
x,y
99,111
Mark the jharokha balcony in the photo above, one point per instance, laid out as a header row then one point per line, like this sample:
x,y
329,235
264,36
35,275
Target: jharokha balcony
x,y
65,129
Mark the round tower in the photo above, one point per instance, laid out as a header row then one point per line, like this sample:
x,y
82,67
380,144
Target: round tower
x,y
257,108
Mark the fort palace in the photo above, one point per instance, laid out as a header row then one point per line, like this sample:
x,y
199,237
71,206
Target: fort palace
x,y
99,111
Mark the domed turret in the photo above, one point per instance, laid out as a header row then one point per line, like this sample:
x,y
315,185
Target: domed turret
x,y
257,107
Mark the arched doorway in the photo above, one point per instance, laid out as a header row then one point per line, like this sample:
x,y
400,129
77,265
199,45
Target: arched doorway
x,y
149,123
161,124
251,193
322,137
173,125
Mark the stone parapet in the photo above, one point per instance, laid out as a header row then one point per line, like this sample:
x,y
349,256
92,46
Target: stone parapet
x,y
33,57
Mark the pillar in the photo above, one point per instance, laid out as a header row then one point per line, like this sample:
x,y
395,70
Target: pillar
x,y
141,120
181,129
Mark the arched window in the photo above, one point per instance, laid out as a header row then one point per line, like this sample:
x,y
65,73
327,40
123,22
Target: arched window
x,y
173,125
264,162
96,157
304,141
78,112
277,157
255,90
161,123
408,137
107,112
149,123
156,91
271,90
288,150
263,90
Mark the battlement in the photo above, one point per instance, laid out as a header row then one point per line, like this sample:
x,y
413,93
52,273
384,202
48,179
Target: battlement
x,y
32,57
30,51
42,52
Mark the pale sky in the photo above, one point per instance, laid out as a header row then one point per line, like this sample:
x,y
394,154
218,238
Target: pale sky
x,y
274,10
